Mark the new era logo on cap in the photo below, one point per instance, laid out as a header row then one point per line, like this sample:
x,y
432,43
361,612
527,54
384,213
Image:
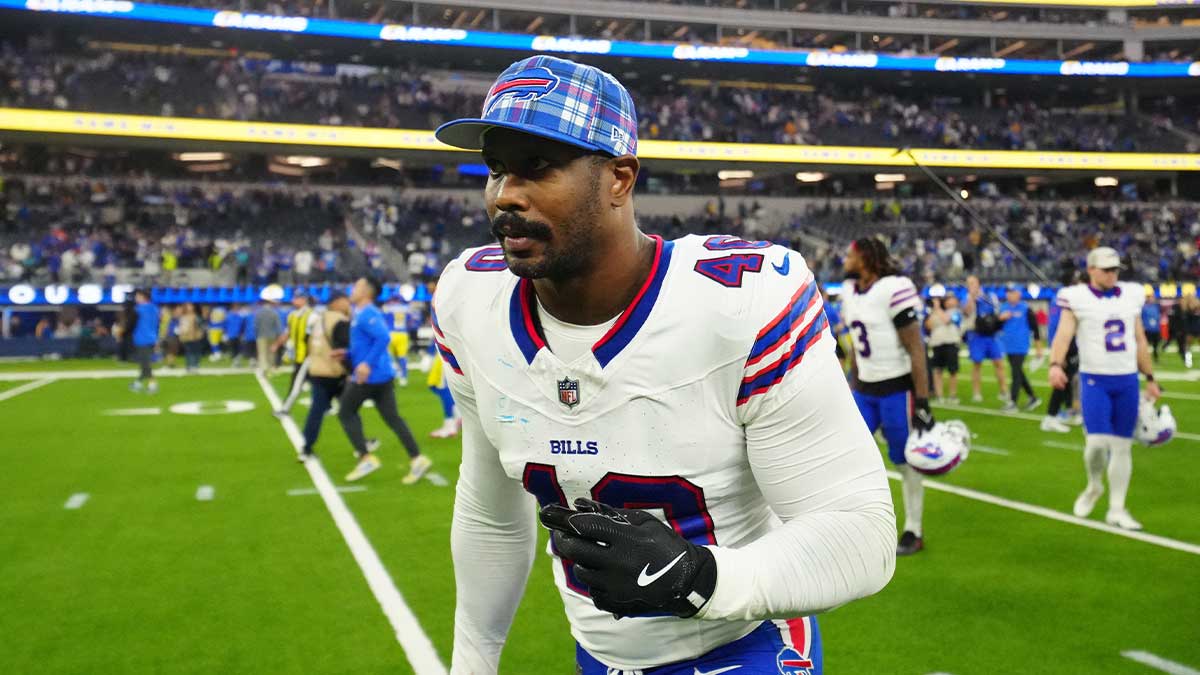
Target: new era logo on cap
x,y
556,99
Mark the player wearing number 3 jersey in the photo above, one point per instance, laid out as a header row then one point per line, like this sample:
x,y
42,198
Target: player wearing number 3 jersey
x,y
675,408
887,366
1104,317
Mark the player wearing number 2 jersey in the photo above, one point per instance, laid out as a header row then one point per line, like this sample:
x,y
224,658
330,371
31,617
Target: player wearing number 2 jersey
x,y
1104,317
682,396
891,381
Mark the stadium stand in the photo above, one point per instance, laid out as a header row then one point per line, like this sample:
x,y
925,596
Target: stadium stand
x,y
41,75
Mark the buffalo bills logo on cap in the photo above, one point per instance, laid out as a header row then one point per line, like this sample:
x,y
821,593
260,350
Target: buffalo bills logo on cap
x,y
526,85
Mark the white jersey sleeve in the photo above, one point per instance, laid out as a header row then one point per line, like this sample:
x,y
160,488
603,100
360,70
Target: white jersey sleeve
x,y
492,535
815,463
870,315
1106,326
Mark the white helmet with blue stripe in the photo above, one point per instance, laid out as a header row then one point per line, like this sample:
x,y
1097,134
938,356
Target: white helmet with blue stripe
x,y
1155,426
940,449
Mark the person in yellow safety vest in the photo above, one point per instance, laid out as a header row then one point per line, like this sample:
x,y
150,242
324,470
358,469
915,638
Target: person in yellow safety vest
x,y
299,327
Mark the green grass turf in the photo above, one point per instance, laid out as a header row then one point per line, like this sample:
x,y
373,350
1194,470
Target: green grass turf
x,y
145,578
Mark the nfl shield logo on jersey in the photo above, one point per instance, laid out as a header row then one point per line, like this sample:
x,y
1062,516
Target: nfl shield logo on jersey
x,y
792,662
568,392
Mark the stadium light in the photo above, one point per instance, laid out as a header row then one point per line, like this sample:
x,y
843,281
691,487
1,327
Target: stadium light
x,y
1106,181
811,176
735,174
890,178
201,156
305,161
963,193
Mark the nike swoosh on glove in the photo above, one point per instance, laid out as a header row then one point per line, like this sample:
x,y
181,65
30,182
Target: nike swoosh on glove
x,y
922,417
632,563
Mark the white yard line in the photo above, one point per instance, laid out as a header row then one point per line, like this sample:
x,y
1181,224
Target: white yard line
x,y
1063,445
1028,416
76,500
205,493
300,492
990,450
1158,663
1070,519
17,391
132,412
413,640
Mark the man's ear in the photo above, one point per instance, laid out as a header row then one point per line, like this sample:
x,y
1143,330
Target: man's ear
x,y
624,171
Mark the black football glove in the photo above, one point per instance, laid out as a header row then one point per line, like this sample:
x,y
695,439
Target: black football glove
x,y
632,563
922,417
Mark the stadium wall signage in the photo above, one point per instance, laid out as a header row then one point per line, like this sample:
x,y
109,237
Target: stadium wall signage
x,y
316,136
192,16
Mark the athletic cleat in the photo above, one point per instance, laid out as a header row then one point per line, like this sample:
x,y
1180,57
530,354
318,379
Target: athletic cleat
x,y
449,429
1009,406
1187,359
1086,501
152,388
304,455
1032,404
368,464
420,464
1075,419
280,414
136,386
909,544
977,398
1122,519
373,444
1054,424
953,400
1003,396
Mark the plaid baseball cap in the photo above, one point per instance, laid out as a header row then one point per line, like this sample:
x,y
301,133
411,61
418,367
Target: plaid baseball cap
x,y
553,98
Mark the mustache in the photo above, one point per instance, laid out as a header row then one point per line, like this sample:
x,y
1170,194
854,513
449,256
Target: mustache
x,y
512,225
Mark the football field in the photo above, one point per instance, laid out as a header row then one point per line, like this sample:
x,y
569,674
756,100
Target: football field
x,y
175,533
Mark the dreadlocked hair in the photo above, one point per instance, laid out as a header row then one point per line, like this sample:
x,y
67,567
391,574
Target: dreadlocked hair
x,y
875,256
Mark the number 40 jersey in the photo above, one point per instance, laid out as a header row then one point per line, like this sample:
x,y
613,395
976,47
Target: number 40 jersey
x,y
714,401
1106,326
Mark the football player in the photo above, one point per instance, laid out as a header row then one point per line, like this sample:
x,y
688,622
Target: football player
x,y
887,365
675,407
1105,318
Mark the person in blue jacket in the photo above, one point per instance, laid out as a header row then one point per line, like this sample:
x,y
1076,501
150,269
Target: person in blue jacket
x,y
1018,332
145,337
371,377
1152,323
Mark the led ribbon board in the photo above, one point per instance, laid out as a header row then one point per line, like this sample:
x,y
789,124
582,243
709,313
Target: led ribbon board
x,y
191,16
317,136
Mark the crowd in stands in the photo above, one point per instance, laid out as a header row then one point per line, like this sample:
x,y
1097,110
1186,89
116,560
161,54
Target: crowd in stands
x,y
75,231
937,240
175,85
79,231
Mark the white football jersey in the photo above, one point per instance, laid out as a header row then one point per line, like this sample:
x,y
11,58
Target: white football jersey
x,y
868,315
656,415
1106,323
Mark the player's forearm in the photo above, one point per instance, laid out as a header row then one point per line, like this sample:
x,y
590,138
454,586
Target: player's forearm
x,y
811,564
492,558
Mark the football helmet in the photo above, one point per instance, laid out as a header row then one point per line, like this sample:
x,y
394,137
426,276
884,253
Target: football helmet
x,y
940,449
1155,426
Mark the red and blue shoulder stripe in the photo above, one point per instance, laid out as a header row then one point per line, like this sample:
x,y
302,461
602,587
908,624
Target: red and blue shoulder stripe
x,y
782,343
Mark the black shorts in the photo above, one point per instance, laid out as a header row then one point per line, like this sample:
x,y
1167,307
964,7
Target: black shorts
x,y
945,357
